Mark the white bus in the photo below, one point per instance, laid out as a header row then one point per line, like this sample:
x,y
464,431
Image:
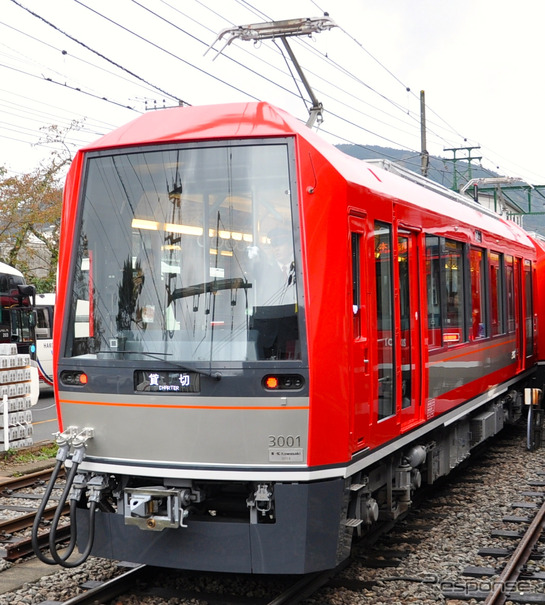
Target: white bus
x,y
45,306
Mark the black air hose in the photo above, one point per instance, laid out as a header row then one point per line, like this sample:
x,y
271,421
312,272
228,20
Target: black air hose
x,y
88,547
77,457
62,454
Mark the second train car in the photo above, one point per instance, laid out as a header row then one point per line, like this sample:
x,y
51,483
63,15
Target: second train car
x,y
264,346
45,308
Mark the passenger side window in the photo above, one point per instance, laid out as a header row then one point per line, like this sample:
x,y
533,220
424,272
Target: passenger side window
x,y
497,323
528,308
478,316
433,284
510,288
385,328
446,291
356,286
453,267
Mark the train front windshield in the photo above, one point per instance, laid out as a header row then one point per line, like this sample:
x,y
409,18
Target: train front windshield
x,y
186,254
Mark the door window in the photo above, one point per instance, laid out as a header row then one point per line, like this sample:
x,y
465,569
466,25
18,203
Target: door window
x,y
385,320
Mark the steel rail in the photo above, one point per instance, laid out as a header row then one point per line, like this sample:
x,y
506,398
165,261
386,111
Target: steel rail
x,y
20,548
308,585
520,556
14,548
26,480
111,589
25,521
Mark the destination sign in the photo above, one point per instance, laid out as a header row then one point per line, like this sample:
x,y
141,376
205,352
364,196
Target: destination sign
x,y
161,381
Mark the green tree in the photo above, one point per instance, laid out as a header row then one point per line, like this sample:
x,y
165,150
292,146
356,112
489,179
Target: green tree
x,y
30,213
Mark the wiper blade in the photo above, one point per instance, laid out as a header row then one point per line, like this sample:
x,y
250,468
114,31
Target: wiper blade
x,y
214,285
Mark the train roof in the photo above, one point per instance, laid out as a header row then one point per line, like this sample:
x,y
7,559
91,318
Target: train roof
x,y
260,119
202,122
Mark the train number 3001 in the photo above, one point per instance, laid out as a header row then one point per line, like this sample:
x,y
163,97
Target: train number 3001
x,y
284,440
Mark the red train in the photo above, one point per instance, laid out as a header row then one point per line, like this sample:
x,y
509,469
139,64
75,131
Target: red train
x,y
264,346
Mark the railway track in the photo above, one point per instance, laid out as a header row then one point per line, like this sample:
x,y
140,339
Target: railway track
x,y
141,582
15,540
422,559
514,579
15,543
415,562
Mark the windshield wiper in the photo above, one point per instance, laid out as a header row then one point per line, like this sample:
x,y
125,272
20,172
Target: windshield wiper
x,y
211,286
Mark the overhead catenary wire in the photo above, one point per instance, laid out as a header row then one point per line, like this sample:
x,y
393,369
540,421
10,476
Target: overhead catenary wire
x,y
32,115
408,88
97,52
341,69
442,138
203,43
67,86
263,15
396,105
158,46
62,51
397,130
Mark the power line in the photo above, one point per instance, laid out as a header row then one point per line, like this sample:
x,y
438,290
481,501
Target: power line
x,y
351,75
47,115
336,65
162,49
62,51
263,15
396,120
96,52
67,86
159,47
197,40
30,114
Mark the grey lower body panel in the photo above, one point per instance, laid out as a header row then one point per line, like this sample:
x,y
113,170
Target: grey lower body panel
x,y
304,538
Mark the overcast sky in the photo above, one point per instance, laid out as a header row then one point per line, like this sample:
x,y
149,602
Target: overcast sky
x,y
106,61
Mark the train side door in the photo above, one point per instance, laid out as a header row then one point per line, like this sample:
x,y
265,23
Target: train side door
x,y
385,352
360,396
395,347
519,319
528,312
408,302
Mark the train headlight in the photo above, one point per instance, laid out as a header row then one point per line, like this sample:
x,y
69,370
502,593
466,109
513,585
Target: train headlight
x,y
74,378
271,382
283,382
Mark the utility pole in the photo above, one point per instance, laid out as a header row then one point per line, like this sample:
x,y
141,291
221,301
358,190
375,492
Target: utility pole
x,y
424,155
468,159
